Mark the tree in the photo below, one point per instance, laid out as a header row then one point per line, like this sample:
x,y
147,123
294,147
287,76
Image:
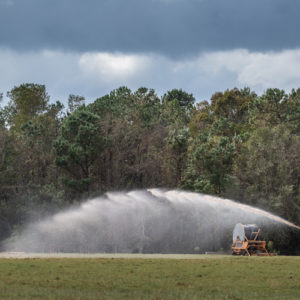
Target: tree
x,y
146,106
2,113
268,170
26,102
74,102
218,129
270,107
292,111
210,164
36,138
184,99
77,146
232,104
8,155
175,119
226,115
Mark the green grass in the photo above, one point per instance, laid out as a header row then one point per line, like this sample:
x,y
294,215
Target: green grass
x,y
98,278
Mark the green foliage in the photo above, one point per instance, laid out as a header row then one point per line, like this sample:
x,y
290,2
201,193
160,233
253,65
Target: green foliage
x,y
184,99
268,169
77,147
210,164
26,102
237,145
8,156
232,104
74,102
2,114
292,111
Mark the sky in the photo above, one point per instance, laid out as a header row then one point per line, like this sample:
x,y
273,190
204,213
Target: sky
x,y
91,47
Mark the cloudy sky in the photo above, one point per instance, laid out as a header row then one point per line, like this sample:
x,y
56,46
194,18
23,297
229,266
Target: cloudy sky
x,y
93,46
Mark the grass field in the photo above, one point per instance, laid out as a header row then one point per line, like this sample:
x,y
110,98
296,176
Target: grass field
x,y
210,277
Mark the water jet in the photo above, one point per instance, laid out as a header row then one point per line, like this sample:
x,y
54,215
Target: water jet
x,y
146,221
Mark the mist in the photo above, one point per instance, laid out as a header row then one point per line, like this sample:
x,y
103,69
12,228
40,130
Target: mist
x,y
147,221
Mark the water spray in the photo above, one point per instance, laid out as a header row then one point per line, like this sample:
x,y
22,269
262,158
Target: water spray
x,y
147,221
248,208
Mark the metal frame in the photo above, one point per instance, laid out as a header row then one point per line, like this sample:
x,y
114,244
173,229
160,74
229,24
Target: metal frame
x,y
250,247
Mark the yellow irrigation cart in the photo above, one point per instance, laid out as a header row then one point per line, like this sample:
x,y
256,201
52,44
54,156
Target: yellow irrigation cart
x,y
246,241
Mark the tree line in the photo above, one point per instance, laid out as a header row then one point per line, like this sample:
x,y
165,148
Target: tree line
x,y
238,145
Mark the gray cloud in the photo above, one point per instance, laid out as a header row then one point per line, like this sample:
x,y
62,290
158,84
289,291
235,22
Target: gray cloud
x,y
6,2
169,27
93,74
95,46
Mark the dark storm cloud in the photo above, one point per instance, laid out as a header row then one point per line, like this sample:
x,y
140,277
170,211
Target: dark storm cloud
x,y
171,27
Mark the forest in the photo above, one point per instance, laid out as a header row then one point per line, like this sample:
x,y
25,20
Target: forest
x,y
236,145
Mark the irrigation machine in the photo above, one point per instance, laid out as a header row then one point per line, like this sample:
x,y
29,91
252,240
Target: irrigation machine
x,y
246,241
